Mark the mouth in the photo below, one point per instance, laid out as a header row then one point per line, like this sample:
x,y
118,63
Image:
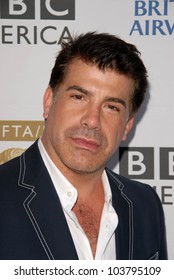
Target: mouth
x,y
86,144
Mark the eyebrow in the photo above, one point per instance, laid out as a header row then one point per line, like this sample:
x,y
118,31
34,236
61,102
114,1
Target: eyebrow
x,y
107,99
78,88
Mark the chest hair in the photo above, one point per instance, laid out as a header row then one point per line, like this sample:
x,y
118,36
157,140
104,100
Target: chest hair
x,y
89,219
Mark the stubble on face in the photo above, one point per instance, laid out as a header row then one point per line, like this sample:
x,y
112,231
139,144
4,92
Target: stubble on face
x,y
83,150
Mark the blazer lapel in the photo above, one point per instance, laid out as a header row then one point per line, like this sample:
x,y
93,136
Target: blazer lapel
x,y
124,209
43,207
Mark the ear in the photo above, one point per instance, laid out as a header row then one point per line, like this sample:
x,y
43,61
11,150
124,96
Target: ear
x,y
128,127
47,102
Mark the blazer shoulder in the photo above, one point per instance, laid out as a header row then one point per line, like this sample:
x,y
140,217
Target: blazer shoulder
x,y
10,170
9,167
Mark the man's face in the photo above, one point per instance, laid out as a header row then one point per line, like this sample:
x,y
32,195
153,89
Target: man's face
x,y
87,119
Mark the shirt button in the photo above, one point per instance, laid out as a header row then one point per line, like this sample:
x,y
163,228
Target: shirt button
x,y
69,194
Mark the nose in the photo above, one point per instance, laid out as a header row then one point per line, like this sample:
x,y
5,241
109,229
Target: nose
x,y
92,118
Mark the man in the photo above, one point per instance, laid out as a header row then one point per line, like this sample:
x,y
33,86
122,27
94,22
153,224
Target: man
x,y
58,200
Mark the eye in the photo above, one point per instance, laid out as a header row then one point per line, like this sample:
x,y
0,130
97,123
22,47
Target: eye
x,y
113,108
78,96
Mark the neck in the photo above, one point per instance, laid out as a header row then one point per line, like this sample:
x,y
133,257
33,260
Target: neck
x,y
87,184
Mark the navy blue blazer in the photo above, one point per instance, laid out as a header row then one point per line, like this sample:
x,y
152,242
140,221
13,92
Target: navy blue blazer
x,y
33,225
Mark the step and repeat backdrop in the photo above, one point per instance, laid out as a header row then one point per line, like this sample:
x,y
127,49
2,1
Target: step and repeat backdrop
x,y
30,35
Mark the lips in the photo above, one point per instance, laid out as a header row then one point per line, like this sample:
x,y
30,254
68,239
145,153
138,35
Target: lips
x,y
86,144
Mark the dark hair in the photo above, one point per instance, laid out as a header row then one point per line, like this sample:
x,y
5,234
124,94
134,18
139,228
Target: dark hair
x,y
106,52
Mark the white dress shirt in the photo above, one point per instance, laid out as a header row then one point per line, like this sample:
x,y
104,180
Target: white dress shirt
x,y
106,247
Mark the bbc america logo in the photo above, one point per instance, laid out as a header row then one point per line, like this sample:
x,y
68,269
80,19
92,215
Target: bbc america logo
x,y
142,162
49,9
